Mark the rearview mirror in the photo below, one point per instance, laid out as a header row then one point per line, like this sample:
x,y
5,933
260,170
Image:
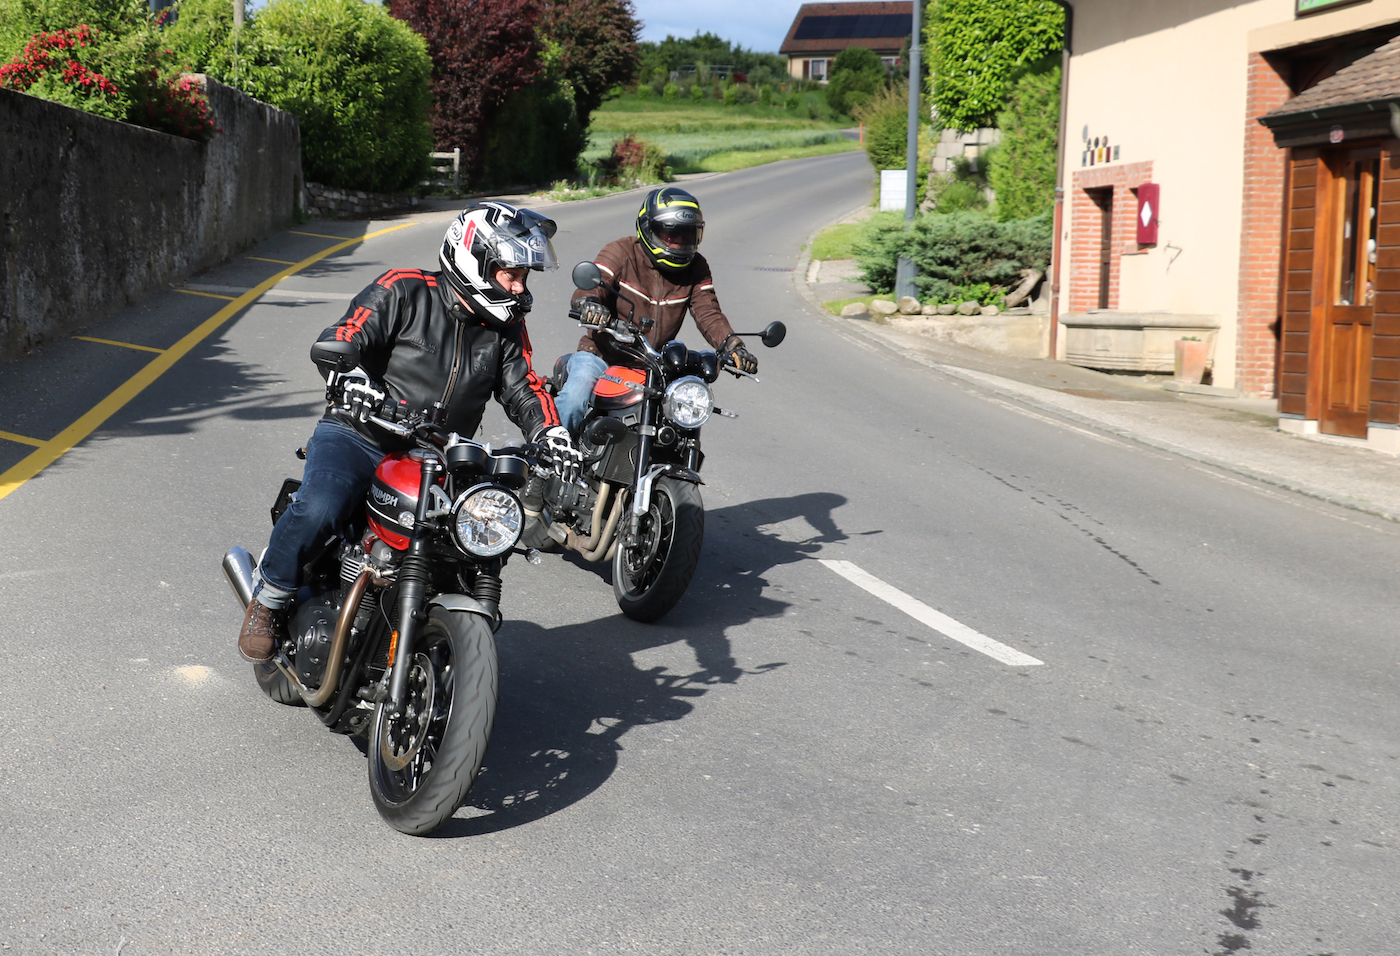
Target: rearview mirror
x,y
587,276
774,334
338,357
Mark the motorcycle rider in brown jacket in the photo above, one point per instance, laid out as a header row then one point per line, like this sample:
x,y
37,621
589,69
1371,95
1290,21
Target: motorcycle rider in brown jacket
x,y
662,273
455,337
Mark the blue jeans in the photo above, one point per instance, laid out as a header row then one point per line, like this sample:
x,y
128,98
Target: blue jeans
x,y
574,398
340,465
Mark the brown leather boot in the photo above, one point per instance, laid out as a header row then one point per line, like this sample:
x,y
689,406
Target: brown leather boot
x,y
262,630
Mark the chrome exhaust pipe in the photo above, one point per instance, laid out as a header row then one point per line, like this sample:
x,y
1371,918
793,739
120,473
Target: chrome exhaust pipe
x,y
238,568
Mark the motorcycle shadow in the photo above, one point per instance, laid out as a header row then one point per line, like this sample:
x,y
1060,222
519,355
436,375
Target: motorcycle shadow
x,y
569,694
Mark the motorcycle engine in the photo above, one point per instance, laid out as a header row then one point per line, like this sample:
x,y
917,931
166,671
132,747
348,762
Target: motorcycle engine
x,y
313,626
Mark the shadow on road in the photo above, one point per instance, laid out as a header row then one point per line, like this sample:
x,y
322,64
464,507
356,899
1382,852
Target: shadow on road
x,y
570,694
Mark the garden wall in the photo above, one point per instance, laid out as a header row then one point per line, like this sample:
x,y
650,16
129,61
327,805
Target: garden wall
x,y
96,214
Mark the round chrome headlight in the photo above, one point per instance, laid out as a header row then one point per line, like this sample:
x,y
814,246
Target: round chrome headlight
x,y
689,402
486,521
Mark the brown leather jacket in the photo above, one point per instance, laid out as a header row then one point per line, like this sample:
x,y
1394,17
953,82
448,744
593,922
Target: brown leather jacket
x,y
655,295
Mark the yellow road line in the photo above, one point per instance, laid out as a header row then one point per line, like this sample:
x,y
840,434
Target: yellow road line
x,y
125,345
208,295
282,262
314,235
11,436
50,451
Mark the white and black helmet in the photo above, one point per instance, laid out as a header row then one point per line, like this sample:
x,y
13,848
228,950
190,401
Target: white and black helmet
x,y
489,236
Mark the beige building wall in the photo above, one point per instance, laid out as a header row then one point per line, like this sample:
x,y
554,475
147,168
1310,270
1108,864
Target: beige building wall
x,y
1173,94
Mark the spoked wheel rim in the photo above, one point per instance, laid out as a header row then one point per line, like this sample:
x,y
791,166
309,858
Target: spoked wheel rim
x,y
409,742
642,563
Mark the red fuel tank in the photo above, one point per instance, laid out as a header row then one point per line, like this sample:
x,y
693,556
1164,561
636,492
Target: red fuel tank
x,y
608,396
393,497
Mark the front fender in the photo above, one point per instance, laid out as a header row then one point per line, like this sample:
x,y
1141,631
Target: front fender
x,y
463,602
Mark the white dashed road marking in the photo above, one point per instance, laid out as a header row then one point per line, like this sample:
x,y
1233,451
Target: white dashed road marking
x,y
924,614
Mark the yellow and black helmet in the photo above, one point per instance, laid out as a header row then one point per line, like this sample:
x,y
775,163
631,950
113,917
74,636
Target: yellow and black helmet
x,y
670,226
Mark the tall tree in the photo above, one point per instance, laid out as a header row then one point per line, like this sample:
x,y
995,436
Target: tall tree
x,y
596,45
482,52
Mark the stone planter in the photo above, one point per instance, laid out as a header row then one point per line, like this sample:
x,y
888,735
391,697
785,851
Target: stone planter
x,y
1191,360
1132,341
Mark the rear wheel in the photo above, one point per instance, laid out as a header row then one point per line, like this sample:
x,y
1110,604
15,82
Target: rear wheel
x,y
423,762
650,576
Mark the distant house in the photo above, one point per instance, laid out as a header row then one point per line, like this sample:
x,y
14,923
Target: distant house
x,y
822,30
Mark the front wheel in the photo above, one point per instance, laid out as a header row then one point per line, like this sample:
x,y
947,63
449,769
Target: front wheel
x,y
650,576
423,762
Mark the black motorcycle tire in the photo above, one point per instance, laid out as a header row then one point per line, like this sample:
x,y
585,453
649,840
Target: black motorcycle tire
x,y
424,794
275,684
650,577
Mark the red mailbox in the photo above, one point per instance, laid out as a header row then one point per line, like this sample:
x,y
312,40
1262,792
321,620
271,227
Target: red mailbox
x,y
1149,210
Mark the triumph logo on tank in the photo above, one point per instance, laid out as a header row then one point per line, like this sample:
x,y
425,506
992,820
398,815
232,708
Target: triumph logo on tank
x,y
384,497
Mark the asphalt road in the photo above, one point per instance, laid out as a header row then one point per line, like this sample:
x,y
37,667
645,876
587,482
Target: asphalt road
x,y
1204,760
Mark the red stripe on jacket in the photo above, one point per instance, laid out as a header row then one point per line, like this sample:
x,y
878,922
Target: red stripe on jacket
x,y
353,325
551,414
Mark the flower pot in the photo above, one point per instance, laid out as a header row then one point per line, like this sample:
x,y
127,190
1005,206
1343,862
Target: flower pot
x,y
1191,358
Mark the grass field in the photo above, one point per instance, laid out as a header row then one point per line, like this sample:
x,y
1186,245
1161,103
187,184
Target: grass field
x,y
710,137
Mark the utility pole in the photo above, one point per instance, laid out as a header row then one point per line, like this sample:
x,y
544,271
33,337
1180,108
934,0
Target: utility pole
x,y
906,270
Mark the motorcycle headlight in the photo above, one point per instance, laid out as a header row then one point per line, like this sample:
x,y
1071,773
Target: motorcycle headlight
x,y
486,521
688,402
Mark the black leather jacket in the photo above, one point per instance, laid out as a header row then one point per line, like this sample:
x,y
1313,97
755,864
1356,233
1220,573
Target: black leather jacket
x,y
422,346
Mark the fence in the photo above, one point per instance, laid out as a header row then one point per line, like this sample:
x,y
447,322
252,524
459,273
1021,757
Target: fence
x,y
447,169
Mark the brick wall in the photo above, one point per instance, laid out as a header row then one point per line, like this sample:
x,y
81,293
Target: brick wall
x,y
1086,238
1261,235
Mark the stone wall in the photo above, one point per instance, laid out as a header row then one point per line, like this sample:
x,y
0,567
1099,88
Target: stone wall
x,y
331,202
96,214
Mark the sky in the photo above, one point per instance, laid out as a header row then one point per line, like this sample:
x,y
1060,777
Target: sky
x,y
757,26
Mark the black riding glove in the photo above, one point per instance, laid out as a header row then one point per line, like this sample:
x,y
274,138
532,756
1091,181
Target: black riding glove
x,y
742,359
593,313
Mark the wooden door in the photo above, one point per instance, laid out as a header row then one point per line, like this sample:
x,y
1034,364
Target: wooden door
x,y
1351,275
1103,198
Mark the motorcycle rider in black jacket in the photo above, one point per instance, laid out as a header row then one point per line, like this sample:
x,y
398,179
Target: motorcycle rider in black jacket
x,y
456,337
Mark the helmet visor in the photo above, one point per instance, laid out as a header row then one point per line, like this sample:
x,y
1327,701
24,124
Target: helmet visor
x,y
533,250
678,237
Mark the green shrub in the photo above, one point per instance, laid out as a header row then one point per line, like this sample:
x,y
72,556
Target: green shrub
x,y
886,120
857,74
357,81
744,94
536,136
1022,167
670,91
697,92
731,95
645,91
952,251
793,102
765,95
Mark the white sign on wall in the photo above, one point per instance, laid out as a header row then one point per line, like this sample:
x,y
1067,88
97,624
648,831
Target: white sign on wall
x,y
894,183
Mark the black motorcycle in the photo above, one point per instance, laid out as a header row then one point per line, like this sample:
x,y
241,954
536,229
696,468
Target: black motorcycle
x,y
392,636
639,505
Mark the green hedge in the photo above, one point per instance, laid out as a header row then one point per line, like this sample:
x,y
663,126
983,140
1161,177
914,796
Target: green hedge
x,y
355,78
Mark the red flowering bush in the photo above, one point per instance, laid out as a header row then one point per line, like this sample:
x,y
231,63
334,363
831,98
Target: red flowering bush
x,y
634,160
52,66
125,77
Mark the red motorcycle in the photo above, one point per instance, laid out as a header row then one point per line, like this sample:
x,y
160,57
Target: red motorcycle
x,y
392,636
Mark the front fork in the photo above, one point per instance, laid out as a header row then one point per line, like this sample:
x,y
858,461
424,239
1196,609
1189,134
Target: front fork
x,y
415,574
